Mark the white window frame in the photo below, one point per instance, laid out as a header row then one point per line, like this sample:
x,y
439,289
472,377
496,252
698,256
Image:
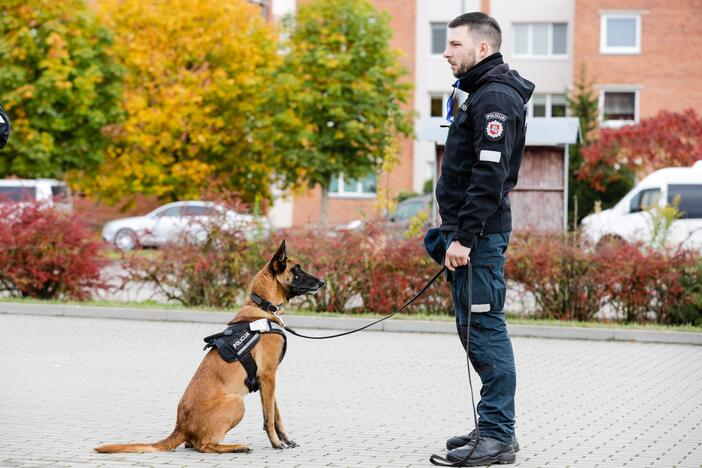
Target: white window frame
x,y
431,38
342,193
550,56
606,50
549,105
618,89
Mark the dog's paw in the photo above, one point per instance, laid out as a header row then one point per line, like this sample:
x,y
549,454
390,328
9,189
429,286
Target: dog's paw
x,y
291,444
277,445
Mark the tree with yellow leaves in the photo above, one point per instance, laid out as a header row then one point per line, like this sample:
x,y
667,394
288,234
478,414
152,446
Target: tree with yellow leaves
x,y
193,92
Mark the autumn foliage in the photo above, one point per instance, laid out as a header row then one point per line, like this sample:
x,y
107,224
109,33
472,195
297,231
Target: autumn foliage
x,y
572,281
668,139
48,254
194,89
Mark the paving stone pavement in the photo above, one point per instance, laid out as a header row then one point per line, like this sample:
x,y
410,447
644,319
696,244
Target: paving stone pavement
x,y
370,399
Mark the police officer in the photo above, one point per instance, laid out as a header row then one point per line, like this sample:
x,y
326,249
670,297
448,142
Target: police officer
x,y
4,128
483,153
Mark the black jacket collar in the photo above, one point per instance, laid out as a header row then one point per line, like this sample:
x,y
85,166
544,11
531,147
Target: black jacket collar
x,y
481,72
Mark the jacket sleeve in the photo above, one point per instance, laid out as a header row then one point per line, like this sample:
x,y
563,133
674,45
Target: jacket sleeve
x,y
494,121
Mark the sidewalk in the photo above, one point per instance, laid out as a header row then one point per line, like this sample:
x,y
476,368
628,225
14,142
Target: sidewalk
x,y
369,399
330,323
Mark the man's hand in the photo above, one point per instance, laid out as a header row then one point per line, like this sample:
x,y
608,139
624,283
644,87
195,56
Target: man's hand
x,y
456,256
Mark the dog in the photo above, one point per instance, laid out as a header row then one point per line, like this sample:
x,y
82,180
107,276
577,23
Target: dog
x,y
213,401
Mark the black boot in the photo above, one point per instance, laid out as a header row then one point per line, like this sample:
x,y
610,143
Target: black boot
x,y
461,440
489,452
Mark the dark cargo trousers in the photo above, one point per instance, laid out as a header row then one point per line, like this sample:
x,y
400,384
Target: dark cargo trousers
x,y
490,345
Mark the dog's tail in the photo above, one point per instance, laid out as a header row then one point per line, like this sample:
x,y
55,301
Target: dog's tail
x,y
166,445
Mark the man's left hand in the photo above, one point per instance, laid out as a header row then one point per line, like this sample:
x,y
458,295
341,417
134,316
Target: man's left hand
x,y
457,255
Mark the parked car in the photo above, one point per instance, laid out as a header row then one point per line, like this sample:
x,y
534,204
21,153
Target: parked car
x,y
182,220
48,192
631,219
400,219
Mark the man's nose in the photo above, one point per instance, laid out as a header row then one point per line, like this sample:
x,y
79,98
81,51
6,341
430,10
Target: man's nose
x,y
446,53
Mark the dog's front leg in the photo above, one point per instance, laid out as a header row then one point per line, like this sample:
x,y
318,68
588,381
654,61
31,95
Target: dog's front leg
x,y
268,405
280,430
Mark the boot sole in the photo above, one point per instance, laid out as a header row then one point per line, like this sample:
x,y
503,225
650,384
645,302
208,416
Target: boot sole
x,y
501,459
515,446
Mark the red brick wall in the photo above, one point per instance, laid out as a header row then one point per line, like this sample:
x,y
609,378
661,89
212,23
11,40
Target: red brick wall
x,y
307,208
669,68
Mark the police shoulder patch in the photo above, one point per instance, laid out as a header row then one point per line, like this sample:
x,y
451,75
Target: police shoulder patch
x,y
495,125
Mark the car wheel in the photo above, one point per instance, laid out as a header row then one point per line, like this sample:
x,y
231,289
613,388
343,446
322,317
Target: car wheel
x,y
125,239
610,241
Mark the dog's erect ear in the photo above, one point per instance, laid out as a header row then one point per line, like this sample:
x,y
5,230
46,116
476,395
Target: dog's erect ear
x,y
279,261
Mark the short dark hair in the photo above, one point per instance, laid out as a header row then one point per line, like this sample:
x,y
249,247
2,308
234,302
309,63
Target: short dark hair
x,y
481,25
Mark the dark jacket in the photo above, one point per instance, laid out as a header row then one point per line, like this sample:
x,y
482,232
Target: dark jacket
x,y
484,150
4,127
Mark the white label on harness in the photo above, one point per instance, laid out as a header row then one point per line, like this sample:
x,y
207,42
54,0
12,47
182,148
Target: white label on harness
x,y
260,325
490,156
480,308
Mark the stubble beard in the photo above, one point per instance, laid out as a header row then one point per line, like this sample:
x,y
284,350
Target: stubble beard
x,y
465,66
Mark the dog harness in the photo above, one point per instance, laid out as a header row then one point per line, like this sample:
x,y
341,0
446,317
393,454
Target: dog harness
x,y
237,341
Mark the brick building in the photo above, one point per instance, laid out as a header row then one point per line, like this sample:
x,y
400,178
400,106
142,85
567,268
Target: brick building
x,y
642,56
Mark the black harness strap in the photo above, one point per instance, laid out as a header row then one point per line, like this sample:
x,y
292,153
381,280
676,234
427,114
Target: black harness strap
x,y
237,341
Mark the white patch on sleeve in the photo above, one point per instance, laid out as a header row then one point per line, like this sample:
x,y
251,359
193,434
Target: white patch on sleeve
x,y
480,308
490,156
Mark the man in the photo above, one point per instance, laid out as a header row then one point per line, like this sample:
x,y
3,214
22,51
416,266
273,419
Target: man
x,y
483,153
4,128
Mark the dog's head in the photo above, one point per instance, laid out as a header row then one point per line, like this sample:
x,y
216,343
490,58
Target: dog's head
x,y
290,276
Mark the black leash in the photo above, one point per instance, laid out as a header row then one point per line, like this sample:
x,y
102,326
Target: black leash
x,y
416,296
436,459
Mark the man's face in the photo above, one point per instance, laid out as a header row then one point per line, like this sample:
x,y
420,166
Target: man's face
x,y
463,51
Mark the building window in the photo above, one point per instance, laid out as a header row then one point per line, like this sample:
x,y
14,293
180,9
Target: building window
x,y
548,105
438,38
620,33
343,187
618,108
537,40
436,107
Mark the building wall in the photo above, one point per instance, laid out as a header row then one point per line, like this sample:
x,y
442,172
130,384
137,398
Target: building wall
x,y
550,75
667,72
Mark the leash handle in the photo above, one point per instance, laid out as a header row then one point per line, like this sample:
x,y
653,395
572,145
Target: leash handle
x,y
405,305
436,459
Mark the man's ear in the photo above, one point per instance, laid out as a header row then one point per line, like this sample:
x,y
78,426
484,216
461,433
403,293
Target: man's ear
x,y
279,261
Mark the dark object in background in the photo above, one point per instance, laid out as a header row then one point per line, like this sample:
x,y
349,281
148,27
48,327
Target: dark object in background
x,y
4,128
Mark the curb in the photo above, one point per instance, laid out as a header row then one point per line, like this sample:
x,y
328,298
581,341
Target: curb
x,y
333,323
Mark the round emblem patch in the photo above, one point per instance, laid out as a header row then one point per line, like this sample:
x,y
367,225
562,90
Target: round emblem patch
x,y
494,129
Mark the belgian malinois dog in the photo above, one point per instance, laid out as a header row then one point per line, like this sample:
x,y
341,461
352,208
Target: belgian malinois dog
x,y
213,402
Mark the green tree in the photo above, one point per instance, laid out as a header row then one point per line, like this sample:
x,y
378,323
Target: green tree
x,y
583,104
342,112
59,84
195,88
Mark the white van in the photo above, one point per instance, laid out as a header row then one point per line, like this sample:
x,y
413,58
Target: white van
x,y
631,218
52,192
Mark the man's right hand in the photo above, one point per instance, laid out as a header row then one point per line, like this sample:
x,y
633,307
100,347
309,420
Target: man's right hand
x,y
457,255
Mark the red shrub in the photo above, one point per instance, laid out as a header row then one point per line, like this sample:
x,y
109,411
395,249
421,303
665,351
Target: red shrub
x,y
563,278
48,254
370,269
643,284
